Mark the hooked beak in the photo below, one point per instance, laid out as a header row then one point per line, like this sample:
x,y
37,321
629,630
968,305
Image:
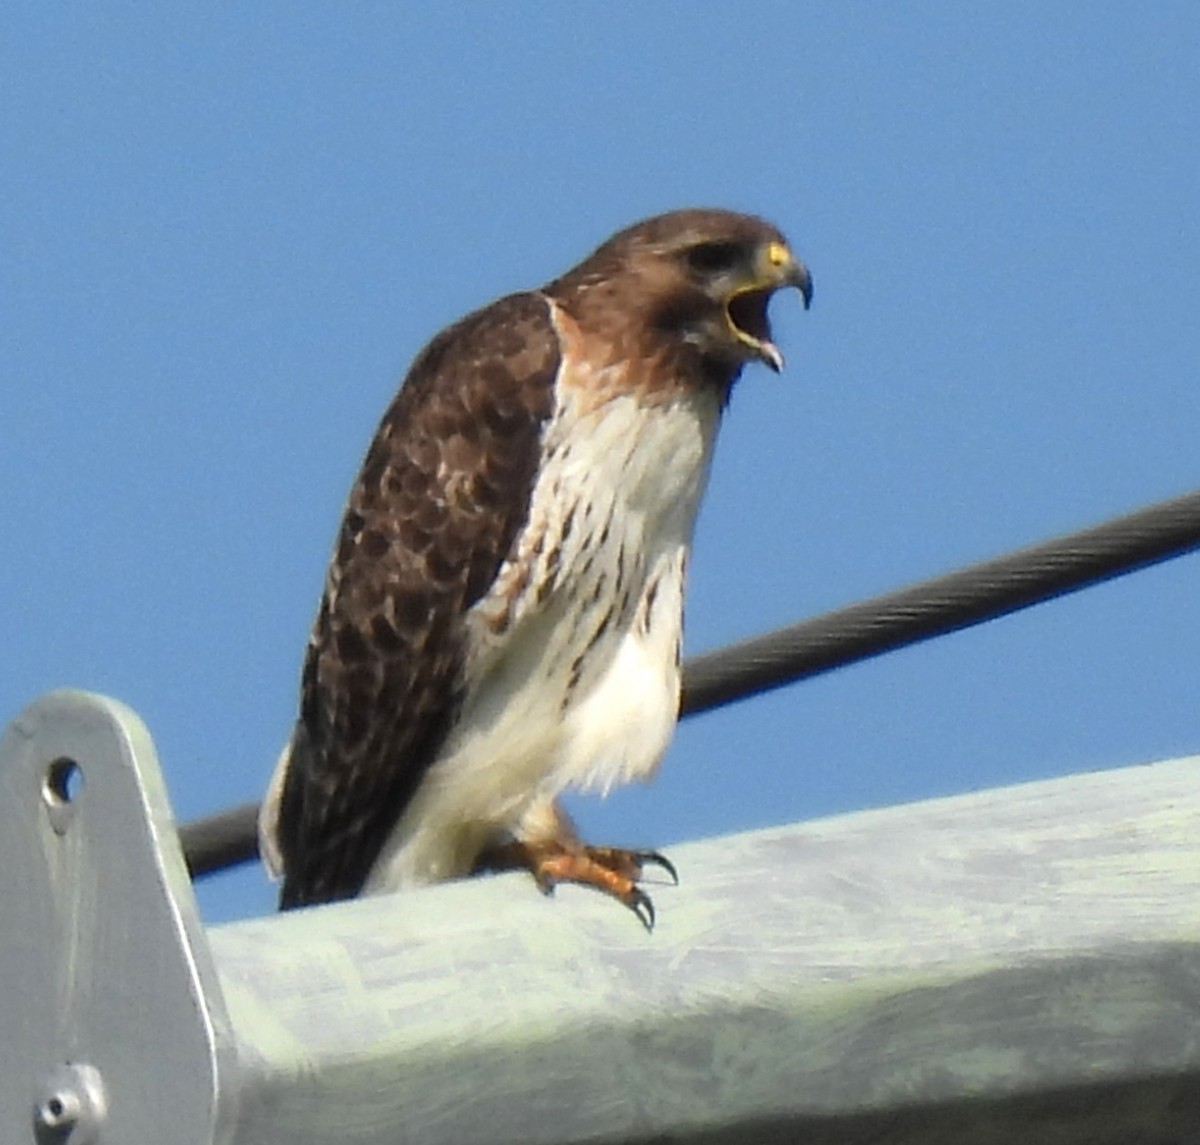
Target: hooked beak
x,y
799,277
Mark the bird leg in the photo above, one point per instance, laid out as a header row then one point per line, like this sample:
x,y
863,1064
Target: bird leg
x,y
564,859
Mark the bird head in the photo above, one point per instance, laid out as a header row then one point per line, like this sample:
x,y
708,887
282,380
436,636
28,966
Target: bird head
x,y
703,276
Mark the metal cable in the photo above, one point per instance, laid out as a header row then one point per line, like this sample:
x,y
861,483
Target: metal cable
x,y
943,604
222,840
883,623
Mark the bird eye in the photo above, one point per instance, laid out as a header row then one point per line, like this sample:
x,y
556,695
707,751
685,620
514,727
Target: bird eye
x,y
712,258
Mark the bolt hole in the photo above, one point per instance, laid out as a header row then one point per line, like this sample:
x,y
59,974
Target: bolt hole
x,y
64,782
56,1107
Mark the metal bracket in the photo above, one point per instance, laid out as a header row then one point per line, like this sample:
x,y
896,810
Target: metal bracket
x,y
1012,965
112,1024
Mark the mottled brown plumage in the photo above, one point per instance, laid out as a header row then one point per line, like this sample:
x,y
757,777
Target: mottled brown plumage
x,y
429,521
439,567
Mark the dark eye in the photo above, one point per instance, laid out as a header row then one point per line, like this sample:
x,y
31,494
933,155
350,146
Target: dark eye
x,y
713,258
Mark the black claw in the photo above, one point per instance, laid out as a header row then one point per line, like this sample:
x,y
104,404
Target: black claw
x,y
641,905
658,860
544,884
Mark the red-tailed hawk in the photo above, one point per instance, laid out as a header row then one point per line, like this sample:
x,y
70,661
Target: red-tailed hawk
x,y
502,617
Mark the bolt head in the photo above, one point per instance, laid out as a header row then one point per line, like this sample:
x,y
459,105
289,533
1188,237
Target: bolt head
x,y
69,1108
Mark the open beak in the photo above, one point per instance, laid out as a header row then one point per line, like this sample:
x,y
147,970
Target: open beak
x,y
747,308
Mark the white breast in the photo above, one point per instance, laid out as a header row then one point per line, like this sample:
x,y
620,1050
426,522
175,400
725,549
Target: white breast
x,y
573,680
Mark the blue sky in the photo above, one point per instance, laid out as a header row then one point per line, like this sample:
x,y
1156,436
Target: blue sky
x,y
225,229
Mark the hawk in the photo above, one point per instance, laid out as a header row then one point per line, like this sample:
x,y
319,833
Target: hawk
x,y
502,617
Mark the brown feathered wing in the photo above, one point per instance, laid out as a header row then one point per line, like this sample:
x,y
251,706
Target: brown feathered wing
x,y
442,494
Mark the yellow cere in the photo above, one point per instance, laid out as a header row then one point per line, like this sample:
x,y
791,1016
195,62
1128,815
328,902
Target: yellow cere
x,y
778,254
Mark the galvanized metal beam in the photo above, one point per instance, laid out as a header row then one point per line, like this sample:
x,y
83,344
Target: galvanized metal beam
x,y
1014,965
